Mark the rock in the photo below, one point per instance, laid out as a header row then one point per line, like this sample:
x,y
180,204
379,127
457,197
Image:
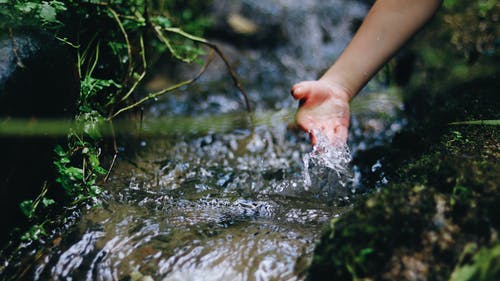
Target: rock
x,y
38,76
38,79
242,25
248,24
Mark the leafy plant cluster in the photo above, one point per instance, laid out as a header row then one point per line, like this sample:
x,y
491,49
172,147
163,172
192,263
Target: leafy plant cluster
x,y
114,42
472,26
463,33
26,13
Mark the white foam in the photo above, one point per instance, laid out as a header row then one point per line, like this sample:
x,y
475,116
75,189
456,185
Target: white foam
x,y
335,157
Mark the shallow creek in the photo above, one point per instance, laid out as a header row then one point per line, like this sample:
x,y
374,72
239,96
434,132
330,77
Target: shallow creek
x,y
231,202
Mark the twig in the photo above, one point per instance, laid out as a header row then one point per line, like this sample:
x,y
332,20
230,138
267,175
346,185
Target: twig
x,y
143,74
164,91
14,49
221,55
127,41
115,148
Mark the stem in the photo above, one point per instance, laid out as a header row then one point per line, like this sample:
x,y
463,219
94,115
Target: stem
x,y
14,49
164,91
115,148
125,36
143,74
219,52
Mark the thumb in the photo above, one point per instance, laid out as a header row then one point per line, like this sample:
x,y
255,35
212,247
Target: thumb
x,y
300,91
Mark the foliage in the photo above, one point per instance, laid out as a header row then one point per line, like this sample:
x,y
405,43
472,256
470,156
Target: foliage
x,y
462,30
111,62
485,265
15,12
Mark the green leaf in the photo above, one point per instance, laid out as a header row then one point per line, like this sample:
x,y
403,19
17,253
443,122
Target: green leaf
x,y
48,13
75,173
161,21
35,232
485,266
47,202
28,208
495,122
59,151
449,3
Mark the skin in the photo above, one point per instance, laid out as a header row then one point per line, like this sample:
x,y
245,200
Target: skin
x,y
324,103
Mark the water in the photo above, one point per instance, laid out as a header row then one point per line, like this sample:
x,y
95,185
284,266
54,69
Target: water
x,y
212,196
226,206
328,160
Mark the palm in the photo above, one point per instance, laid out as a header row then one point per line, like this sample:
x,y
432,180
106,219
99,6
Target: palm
x,y
323,111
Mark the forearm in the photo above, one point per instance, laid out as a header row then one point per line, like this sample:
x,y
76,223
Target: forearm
x,y
388,25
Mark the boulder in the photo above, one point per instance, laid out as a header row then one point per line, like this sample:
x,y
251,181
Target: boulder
x,y
38,79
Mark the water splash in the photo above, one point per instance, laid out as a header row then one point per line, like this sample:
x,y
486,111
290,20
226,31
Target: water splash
x,y
328,162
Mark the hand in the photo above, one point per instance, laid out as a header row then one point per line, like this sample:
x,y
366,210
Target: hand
x,y
323,109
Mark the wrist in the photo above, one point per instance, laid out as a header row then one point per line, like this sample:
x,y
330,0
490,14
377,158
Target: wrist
x,y
338,86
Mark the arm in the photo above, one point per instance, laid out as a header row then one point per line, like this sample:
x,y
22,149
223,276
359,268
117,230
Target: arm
x,y
324,104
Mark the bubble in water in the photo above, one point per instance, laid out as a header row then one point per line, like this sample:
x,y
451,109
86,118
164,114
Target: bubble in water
x,y
334,157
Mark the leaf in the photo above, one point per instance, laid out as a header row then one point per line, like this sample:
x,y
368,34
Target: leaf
x,y
48,13
485,266
478,122
161,21
47,202
34,233
75,173
27,208
449,3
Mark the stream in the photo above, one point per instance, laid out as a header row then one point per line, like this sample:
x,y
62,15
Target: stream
x,y
231,202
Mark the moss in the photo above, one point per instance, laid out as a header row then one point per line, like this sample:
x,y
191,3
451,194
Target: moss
x,y
419,225
442,196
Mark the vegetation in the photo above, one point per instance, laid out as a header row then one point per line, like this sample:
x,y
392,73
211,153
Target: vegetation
x,y
111,64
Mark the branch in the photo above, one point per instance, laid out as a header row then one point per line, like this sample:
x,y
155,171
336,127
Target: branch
x,y
164,91
15,49
143,74
125,35
221,55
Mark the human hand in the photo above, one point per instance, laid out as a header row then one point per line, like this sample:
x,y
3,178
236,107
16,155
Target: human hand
x,y
323,109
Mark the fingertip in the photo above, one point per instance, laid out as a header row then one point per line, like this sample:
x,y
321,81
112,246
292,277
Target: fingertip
x,y
313,138
299,90
341,134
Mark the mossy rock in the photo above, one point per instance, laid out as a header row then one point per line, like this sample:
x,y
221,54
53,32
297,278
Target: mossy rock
x,y
418,226
437,218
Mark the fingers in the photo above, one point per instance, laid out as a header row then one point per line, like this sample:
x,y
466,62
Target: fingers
x,y
300,90
337,136
312,138
341,133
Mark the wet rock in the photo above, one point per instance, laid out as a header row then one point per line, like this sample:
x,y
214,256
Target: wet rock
x,y
37,76
38,79
247,23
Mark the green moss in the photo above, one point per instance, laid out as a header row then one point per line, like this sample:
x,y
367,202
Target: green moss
x,y
443,192
420,223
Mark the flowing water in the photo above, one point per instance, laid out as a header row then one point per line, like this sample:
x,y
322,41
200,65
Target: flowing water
x,y
237,201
